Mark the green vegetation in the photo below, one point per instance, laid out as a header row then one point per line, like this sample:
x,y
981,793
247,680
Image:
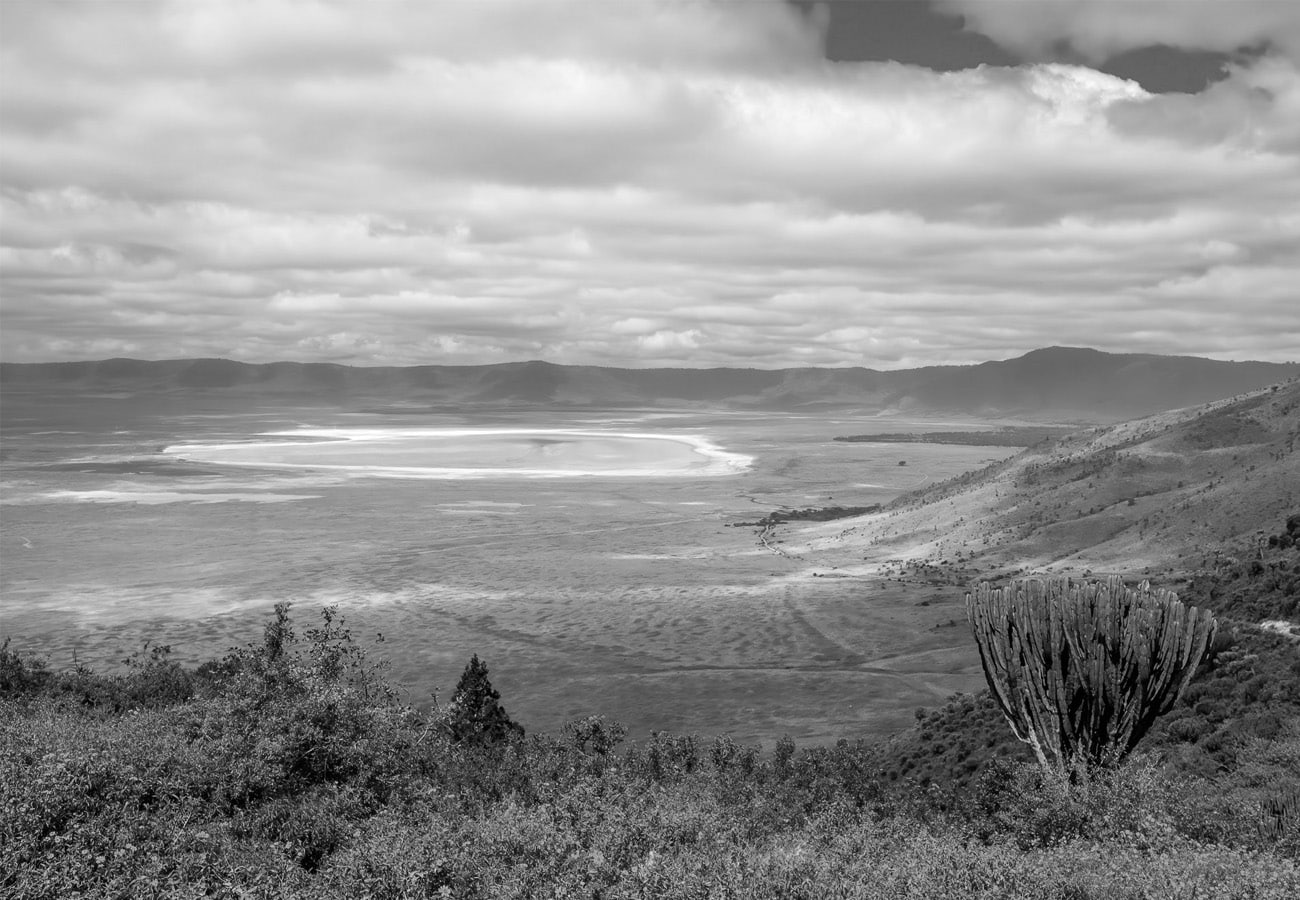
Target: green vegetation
x,y
1082,670
475,714
811,514
1010,436
290,768
1257,584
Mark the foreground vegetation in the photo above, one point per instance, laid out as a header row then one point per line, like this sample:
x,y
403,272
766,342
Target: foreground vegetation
x,y
292,769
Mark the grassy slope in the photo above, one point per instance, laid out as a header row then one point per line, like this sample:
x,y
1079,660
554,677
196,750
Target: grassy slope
x,y
1186,498
1156,496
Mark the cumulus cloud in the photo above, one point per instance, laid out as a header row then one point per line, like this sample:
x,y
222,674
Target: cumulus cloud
x,y
637,183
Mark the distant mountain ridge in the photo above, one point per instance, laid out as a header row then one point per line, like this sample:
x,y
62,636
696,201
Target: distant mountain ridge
x,y
1056,382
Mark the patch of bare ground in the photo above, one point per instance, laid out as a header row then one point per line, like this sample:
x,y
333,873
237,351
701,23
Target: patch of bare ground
x,y
1282,627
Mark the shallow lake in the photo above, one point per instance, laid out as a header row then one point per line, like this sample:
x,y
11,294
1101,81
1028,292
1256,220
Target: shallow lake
x,y
597,560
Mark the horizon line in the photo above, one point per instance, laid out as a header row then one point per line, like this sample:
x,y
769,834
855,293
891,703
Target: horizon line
x,y
706,368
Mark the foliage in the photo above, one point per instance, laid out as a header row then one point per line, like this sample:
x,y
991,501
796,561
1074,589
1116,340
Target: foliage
x,y
290,769
1007,436
811,514
20,674
1259,583
122,805
152,680
475,713
951,746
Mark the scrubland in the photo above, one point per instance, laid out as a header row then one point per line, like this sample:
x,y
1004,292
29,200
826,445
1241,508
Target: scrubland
x,y
290,768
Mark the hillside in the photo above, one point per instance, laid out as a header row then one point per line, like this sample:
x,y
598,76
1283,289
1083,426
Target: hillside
x,y
1160,494
1059,383
1076,381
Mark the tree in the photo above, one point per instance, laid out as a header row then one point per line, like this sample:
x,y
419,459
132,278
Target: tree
x,y
1081,670
475,714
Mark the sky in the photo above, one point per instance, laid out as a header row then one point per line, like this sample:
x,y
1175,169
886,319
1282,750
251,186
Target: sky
x,y
631,183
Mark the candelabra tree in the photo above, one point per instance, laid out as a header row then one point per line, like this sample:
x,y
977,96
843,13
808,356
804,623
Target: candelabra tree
x,y
1083,669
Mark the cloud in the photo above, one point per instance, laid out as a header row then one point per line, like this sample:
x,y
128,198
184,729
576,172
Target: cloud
x,y
617,184
1103,29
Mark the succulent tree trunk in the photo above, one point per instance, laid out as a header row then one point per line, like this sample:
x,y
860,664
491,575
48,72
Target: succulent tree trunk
x,y
1083,669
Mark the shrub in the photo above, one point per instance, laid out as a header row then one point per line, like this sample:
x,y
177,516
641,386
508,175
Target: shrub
x,y
20,674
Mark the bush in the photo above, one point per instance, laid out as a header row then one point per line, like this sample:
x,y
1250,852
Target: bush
x,y
1133,802
21,675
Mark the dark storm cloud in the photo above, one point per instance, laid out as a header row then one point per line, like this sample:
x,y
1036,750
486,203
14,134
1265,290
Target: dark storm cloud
x,y
660,184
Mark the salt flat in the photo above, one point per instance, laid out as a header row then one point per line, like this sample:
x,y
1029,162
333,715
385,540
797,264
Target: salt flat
x,y
474,453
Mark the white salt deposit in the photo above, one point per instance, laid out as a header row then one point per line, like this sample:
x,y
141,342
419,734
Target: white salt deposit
x,y
155,498
456,453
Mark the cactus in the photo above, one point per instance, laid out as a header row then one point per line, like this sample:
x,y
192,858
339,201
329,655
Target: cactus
x,y
1082,670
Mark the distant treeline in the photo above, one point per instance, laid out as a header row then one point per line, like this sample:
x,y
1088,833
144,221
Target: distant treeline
x,y
1011,436
812,514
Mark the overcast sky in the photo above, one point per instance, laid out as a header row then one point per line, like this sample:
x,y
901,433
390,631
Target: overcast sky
x,y
627,183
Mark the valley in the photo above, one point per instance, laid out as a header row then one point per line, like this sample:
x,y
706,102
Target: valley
x,y
805,586
649,599
783,637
